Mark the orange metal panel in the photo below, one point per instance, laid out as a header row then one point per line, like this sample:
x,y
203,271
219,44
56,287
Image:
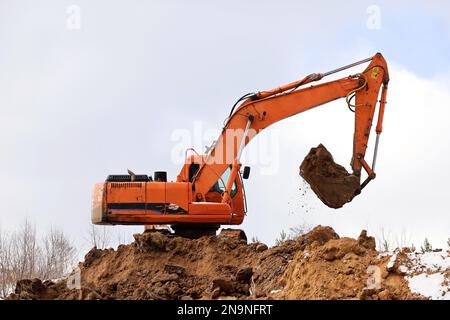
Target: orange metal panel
x,y
156,192
209,208
126,192
178,193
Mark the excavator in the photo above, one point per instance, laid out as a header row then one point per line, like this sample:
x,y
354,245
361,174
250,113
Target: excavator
x,y
209,191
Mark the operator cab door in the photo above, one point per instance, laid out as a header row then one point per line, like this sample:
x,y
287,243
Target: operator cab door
x,y
215,194
220,185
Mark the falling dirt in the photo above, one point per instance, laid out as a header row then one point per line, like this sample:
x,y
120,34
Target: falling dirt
x,y
317,265
329,181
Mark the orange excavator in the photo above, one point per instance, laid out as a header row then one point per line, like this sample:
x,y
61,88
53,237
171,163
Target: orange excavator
x,y
209,191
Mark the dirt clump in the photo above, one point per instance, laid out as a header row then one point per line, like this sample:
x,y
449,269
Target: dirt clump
x,y
316,265
330,181
319,234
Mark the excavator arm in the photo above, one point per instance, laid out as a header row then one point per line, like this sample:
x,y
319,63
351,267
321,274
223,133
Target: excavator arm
x,y
259,111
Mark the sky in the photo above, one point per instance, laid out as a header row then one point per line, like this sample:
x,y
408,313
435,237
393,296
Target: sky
x,y
91,88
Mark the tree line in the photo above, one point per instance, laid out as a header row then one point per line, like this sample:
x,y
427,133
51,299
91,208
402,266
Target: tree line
x,y
25,255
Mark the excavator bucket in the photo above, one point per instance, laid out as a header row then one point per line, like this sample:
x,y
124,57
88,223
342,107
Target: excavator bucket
x,y
329,181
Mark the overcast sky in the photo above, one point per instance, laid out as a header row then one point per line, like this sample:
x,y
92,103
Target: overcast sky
x,y
81,101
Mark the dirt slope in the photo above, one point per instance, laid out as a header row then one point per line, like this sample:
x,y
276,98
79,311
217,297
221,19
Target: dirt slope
x,y
317,265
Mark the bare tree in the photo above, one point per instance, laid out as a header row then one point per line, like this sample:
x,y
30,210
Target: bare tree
x,y
281,238
294,233
19,254
388,242
299,230
23,256
384,241
426,247
5,267
58,255
24,252
403,240
99,237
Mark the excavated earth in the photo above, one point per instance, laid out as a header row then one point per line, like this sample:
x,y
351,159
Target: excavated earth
x,y
317,265
329,181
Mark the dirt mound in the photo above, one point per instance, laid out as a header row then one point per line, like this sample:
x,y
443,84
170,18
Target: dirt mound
x,y
317,265
342,268
329,181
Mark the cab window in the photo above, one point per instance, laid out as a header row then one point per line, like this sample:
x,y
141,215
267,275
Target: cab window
x,y
219,185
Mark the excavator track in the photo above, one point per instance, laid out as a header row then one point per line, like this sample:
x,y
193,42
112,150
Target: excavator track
x,y
194,230
235,234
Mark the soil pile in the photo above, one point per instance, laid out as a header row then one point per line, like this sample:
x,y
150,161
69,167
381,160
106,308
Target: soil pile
x,y
343,268
317,265
329,181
